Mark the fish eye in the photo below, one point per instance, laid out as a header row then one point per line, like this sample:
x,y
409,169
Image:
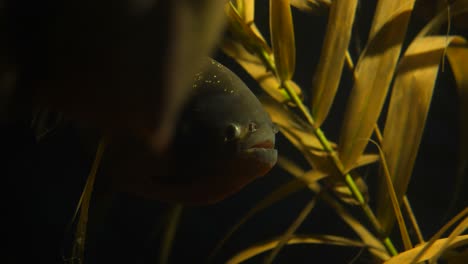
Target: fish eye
x,y
232,132
252,127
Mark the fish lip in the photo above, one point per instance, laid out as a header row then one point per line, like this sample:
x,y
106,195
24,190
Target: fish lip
x,y
267,144
265,156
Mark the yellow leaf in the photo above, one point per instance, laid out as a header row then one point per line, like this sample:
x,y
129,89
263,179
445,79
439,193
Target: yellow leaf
x,y
407,256
83,207
373,74
458,56
327,78
246,10
282,38
297,239
167,240
406,117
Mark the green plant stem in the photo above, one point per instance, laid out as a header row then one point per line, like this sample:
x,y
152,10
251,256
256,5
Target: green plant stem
x,y
348,179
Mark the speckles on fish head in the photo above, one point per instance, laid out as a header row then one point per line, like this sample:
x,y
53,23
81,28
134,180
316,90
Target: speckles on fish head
x,y
224,128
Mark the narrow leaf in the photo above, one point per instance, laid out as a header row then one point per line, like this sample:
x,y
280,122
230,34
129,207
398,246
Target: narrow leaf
x,y
335,46
390,190
457,57
296,239
373,74
455,233
170,229
83,207
406,256
439,233
282,38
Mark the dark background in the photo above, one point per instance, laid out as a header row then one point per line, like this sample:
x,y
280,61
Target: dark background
x,y
44,181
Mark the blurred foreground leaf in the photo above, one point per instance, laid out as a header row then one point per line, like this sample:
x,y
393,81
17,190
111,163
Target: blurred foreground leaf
x,y
83,208
282,38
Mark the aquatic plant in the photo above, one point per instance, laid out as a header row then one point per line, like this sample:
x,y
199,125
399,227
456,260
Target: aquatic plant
x,y
390,68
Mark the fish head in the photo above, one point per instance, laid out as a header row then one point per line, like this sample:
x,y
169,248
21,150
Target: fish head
x,y
225,135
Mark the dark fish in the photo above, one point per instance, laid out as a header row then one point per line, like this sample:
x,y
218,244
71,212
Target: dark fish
x,y
223,140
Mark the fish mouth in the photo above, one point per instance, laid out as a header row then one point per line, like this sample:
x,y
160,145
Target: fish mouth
x,y
268,144
263,153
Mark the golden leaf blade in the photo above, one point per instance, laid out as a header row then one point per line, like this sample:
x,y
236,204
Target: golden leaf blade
x,y
390,190
327,78
246,9
457,57
406,117
282,38
455,233
373,74
441,231
296,239
406,256
251,38
168,237
78,249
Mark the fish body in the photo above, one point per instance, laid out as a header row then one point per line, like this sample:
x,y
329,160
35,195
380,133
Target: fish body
x,y
223,140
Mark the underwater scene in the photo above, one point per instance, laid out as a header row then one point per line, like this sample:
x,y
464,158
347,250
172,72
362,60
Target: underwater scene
x,y
235,131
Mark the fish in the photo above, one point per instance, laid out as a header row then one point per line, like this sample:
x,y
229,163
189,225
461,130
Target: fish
x,y
223,140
